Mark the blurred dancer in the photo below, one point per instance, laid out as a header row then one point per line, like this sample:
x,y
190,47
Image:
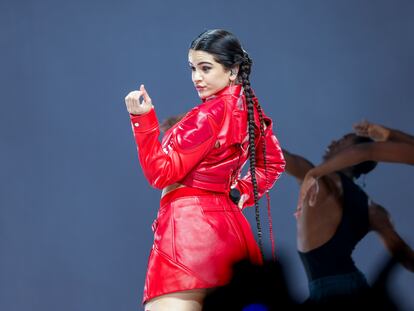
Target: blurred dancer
x,y
333,215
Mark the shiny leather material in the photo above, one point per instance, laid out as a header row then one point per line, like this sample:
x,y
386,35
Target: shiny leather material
x,y
198,236
199,232
208,148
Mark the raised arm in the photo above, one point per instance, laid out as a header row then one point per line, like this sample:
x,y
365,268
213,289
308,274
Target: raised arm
x,y
391,146
376,151
381,223
379,132
186,147
296,165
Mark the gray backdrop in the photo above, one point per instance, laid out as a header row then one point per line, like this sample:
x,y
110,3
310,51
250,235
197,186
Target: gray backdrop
x,y
75,209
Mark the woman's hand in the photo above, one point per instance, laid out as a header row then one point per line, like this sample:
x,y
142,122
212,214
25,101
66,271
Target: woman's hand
x,y
243,198
133,103
374,131
308,191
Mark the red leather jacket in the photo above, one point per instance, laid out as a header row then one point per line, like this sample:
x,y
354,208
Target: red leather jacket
x,y
208,147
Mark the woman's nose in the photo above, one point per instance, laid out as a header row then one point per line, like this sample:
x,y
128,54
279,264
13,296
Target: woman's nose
x,y
197,76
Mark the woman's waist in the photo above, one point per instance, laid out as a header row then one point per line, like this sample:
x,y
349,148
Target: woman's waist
x,y
217,168
178,190
215,180
318,263
170,188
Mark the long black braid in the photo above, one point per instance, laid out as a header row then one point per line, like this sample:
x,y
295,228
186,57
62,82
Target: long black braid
x,y
227,50
244,73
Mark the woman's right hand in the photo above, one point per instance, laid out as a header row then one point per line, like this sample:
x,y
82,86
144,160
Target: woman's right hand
x,y
133,103
374,131
308,191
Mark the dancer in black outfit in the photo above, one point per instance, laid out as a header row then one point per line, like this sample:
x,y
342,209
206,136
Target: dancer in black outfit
x,y
333,215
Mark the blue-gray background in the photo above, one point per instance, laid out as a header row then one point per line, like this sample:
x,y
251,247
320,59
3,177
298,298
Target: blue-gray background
x,y
75,209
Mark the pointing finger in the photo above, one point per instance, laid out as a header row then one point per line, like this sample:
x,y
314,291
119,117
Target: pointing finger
x,y
145,94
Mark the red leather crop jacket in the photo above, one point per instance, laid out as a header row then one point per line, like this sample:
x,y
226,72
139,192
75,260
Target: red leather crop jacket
x,y
208,147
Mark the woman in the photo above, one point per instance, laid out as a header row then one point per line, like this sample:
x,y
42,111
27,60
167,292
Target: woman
x,y
199,231
334,220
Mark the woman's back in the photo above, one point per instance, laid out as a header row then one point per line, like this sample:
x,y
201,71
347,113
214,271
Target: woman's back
x,y
316,224
330,230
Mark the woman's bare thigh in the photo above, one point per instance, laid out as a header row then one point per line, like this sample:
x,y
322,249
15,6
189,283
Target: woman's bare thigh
x,y
190,300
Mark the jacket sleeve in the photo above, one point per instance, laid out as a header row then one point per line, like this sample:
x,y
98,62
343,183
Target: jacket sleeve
x,y
186,147
275,165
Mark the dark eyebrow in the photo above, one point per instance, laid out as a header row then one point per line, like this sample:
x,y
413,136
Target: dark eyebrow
x,y
201,63
204,63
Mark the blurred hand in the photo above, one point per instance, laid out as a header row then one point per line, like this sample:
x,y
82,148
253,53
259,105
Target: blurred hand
x,y
374,131
308,192
133,103
243,198
303,204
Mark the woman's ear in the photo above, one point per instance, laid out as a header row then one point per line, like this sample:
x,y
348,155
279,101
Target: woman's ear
x,y
233,73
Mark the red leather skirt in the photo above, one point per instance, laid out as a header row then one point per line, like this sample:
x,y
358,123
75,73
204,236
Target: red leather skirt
x,y
198,236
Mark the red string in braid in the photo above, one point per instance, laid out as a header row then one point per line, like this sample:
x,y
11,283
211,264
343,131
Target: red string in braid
x,y
253,174
245,70
269,213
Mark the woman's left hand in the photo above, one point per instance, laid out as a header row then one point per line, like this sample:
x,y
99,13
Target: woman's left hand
x,y
243,198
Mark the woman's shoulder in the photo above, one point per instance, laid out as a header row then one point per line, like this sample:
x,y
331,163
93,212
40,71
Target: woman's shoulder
x,y
215,109
204,115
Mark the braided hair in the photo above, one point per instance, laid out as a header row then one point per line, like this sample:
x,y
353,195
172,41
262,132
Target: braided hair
x,y
227,50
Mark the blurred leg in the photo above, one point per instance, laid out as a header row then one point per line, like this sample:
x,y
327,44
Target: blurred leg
x,y
191,300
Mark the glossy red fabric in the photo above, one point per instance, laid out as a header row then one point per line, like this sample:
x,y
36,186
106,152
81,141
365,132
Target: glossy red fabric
x,y
208,147
199,233
198,236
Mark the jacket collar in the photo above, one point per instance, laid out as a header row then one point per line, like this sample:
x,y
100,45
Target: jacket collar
x,y
233,90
